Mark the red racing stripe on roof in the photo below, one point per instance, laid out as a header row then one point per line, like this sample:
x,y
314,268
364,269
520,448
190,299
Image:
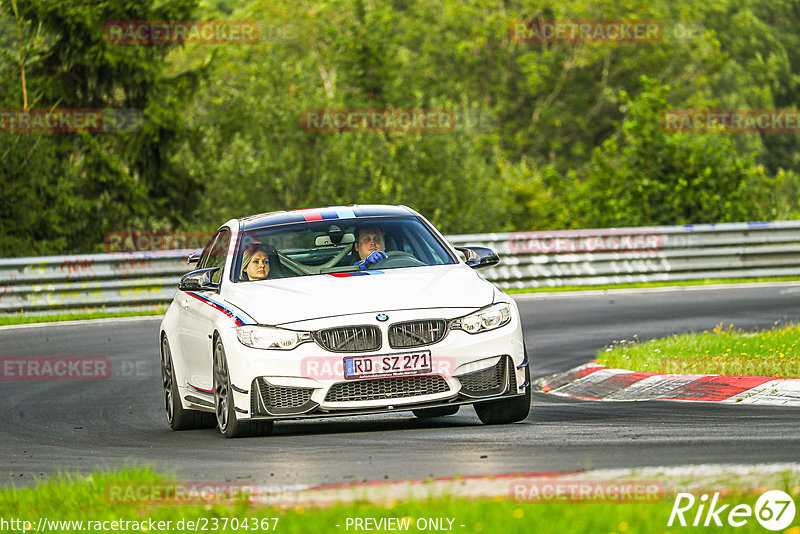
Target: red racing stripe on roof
x,y
311,215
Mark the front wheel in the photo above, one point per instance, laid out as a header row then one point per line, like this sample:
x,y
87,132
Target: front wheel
x,y
223,402
504,411
178,417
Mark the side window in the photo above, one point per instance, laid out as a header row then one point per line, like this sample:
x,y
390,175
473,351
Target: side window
x,y
218,254
201,264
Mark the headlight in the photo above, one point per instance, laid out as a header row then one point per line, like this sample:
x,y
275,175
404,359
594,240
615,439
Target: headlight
x,y
268,337
494,316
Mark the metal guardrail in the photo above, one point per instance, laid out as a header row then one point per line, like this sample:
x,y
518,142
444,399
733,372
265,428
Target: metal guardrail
x,y
642,254
528,259
119,281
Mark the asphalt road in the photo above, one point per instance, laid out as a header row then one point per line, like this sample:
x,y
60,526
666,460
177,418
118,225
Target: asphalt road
x,y
51,425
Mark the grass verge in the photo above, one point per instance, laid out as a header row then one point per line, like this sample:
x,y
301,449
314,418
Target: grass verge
x,y
681,283
724,351
86,499
77,316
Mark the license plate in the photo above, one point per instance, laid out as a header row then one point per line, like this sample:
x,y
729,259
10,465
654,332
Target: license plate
x,y
387,365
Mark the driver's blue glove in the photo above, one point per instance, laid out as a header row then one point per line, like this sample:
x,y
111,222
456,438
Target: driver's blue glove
x,y
374,257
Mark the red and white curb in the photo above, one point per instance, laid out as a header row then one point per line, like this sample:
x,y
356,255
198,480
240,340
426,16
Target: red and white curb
x,y
596,382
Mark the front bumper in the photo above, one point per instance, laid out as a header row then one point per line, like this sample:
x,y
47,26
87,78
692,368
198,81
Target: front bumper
x,y
309,381
387,394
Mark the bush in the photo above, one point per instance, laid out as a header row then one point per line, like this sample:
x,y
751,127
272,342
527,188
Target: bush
x,y
648,176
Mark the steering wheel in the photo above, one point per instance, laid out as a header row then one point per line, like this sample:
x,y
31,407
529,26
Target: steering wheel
x,y
396,258
314,269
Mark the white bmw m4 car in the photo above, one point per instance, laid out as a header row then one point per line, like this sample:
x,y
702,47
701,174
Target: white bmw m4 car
x,y
339,311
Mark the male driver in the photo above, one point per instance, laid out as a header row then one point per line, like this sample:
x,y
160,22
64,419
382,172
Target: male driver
x,y
369,246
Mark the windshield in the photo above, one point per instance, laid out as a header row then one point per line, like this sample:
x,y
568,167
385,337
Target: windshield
x,y
337,246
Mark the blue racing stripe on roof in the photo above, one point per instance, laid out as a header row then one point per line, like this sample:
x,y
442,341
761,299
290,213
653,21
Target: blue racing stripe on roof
x,y
329,215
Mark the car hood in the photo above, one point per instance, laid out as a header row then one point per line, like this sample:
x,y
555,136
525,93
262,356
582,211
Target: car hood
x,y
289,300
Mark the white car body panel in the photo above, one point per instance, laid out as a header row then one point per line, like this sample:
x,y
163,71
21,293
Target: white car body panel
x,y
316,302
309,297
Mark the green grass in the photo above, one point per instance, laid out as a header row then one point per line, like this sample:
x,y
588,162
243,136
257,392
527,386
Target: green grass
x,y
76,316
679,283
725,351
67,497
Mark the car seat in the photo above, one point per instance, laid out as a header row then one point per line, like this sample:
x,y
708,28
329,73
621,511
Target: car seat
x,y
276,269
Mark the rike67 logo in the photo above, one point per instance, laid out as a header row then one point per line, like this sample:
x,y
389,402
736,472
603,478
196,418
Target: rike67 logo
x,y
774,510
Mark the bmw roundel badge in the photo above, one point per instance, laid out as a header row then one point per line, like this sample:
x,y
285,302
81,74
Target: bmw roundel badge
x,y
382,317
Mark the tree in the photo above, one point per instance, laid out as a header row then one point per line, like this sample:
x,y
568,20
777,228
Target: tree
x,y
106,181
648,176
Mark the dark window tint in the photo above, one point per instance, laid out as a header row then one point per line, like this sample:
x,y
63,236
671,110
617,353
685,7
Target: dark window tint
x,y
218,254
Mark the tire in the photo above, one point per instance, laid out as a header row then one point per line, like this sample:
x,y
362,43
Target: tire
x,y
178,417
223,402
439,411
504,411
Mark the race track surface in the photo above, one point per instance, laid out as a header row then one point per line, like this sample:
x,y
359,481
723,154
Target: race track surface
x,y
51,425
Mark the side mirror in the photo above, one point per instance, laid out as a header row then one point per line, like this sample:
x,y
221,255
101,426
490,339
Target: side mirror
x,y
194,257
199,280
477,257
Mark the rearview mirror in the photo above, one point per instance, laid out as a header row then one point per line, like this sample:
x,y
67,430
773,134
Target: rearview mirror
x,y
325,241
199,280
477,257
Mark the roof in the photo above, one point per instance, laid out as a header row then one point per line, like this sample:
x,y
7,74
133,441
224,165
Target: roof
x,y
353,211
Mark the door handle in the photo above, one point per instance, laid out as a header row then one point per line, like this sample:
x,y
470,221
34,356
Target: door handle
x,y
185,304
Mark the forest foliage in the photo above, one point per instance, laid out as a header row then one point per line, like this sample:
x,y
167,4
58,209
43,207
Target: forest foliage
x,y
550,135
